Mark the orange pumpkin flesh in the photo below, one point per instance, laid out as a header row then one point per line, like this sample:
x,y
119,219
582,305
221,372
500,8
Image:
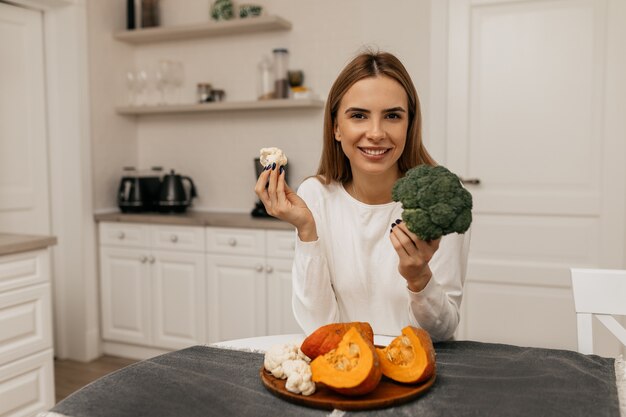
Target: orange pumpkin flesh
x,y
327,337
352,368
409,358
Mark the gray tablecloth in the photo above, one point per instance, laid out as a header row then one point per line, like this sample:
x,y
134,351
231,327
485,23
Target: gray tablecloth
x,y
473,379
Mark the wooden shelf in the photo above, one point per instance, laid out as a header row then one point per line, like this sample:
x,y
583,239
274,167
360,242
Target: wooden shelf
x,y
222,106
202,30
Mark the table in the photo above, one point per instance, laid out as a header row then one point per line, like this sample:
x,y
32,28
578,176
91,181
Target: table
x,y
473,379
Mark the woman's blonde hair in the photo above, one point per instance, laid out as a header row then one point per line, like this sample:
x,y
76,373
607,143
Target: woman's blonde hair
x,y
334,165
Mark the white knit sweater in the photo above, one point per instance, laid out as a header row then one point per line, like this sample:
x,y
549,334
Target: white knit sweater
x,y
351,272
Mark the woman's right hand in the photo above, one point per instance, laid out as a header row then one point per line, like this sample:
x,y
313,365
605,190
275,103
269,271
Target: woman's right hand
x,y
283,203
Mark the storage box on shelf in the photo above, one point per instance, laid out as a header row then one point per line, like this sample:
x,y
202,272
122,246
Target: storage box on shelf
x,y
26,356
249,283
152,286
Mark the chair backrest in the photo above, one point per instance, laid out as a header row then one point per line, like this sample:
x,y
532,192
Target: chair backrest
x,y
599,293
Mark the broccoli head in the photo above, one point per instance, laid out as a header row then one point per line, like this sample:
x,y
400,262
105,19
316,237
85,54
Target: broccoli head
x,y
434,201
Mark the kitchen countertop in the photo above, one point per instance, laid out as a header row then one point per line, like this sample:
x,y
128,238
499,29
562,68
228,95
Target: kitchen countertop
x,y
197,218
15,243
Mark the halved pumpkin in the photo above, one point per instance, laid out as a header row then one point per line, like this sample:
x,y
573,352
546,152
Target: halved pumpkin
x,y
409,358
326,338
352,368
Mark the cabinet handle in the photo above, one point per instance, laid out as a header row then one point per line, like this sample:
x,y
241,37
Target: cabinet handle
x,y
151,259
259,268
143,259
269,269
121,235
232,241
174,238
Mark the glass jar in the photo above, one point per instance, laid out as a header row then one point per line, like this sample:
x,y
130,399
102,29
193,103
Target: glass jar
x,y
265,86
281,64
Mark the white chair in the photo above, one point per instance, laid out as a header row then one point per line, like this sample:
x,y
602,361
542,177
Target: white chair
x,y
600,293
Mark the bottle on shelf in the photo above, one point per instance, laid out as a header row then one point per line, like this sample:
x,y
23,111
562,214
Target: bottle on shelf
x,y
131,19
142,14
281,63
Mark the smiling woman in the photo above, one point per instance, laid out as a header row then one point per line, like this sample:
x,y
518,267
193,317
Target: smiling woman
x,y
348,266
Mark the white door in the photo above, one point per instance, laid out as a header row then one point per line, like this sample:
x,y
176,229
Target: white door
x,y
236,294
125,295
280,319
530,96
24,206
178,308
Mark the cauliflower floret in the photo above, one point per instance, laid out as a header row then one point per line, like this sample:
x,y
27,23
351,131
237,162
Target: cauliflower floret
x,y
271,155
276,355
302,356
298,374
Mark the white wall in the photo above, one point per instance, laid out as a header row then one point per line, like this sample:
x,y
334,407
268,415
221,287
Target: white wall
x,y
114,138
217,149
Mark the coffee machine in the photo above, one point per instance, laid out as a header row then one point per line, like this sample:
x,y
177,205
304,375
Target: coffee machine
x,y
139,192
130,192
259,208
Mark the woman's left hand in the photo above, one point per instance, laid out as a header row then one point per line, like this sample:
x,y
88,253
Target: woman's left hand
x,y
414,255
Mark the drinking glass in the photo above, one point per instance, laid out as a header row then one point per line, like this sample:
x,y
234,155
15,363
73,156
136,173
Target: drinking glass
x,y
141,85
131,87
162,79
177,79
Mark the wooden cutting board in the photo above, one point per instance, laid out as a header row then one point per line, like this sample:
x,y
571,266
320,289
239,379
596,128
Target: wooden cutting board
x,y
388,393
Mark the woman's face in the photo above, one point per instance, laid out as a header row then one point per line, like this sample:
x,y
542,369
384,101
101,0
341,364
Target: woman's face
x,y
371,124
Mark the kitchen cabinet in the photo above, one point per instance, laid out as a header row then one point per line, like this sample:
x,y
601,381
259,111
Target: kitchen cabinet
x,y
249,283
26,355
152,285
166,287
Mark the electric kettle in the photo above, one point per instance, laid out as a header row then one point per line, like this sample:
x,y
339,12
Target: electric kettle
x,y
173,195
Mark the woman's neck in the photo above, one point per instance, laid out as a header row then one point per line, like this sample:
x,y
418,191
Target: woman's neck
x,y
372,190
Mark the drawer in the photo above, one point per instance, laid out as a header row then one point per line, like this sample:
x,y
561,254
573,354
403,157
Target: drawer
x,y
235,241
281,244
185,238
22,269
27,385
25,322
125,234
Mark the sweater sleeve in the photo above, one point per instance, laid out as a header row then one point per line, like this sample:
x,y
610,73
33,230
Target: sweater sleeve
x,y
313,298
436,307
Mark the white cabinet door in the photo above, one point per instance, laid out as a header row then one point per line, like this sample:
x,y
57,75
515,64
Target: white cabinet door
x,y
236,297
125,295
280,319
178,308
